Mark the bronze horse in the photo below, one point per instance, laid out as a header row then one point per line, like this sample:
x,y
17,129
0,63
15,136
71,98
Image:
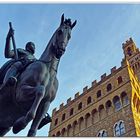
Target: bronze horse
x,y
36,87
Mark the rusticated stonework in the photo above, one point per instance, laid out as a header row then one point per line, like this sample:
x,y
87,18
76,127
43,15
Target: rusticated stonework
x,y
109,107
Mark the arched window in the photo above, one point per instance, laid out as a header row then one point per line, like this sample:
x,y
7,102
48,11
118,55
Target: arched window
x,y
89,100
75,127
102,133
119,128
109,107
56,122
129,52
53,135
88,120
116,130
133,68
109,87
120,80
70,130
80,106
63,117
58,134
124,98
117,103
71,111
122,128
102,112
98,93
63,133
81,124
95,116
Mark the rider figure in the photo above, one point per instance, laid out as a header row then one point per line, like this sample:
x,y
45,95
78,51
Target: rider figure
x,y
25,57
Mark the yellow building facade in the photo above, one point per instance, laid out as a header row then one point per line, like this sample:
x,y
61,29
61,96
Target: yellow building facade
x,y
110,107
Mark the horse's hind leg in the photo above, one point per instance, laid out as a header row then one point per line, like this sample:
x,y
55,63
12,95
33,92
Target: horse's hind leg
x,y
3,131
22,122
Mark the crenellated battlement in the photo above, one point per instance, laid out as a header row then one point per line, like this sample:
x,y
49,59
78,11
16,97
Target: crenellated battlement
x,y
103,76
61,106
94,83
113,70
128,42
68,100
86,88
77,95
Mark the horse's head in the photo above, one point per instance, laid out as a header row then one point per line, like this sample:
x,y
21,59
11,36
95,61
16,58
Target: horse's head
x,y
62,36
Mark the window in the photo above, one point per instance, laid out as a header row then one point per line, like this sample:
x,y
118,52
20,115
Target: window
x,y
122,128
63,133
88,120
58,134
81,124
75,127
109,87
133,68
89,100
80,106
109,107
120,80
129,52
117,131
98,93
63,117
108,104
69,130
117,103
102,133
119,128
56,122
124,98
71,111
95,116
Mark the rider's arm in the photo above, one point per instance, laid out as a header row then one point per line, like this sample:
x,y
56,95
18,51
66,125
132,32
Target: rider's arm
x,y
8,52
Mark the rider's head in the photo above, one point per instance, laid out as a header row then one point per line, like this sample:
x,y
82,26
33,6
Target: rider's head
x,y
30,46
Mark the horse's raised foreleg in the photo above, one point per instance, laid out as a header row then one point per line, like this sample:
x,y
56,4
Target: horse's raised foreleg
x,y
22,122
41,111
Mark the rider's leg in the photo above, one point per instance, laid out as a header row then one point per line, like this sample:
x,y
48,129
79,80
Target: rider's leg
x,y
47,119
12,72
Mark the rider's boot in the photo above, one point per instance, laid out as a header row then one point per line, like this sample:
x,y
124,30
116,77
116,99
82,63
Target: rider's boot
x,y
10,82
45,121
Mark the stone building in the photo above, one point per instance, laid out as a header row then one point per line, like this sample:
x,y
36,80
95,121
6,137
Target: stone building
x,y
110,107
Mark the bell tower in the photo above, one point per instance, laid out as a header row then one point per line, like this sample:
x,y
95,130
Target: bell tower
x,y
132,54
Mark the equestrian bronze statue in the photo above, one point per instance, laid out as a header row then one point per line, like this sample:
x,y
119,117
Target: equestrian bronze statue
x,y
27,95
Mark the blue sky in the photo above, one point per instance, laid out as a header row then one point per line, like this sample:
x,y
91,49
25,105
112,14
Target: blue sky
x,y
95,46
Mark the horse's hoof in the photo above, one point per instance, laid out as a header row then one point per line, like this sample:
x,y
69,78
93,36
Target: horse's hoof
x,y
19,125
31,133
